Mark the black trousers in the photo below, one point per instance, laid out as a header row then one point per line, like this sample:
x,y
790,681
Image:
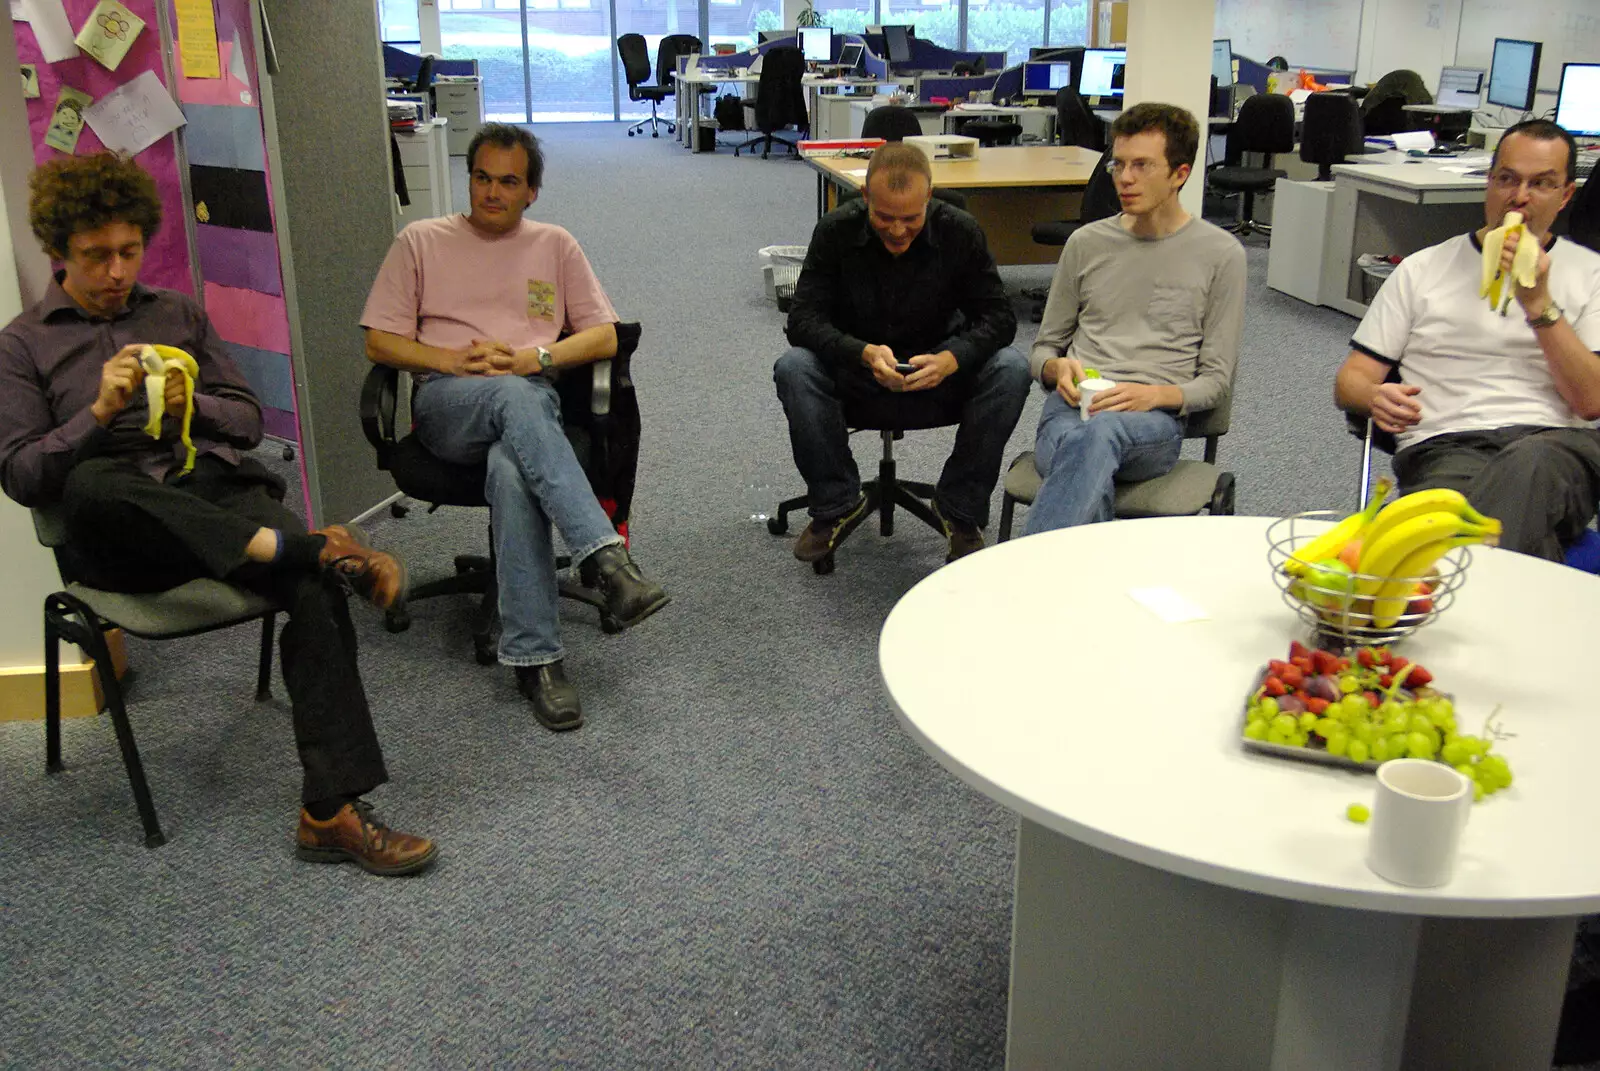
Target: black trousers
x,y
130,533
1541,483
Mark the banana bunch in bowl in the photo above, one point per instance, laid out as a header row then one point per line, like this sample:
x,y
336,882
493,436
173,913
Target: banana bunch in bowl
x,y
1524,263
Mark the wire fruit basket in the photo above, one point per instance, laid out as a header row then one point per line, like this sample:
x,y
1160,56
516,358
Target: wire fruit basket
x,y
1329,603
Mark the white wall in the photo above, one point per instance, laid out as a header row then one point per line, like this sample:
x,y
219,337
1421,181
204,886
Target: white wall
x,y
1417,35
1169,60
30,570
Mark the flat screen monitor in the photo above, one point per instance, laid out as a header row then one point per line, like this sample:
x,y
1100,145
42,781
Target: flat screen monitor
x,y
1578,106
1043,78
1222,61
816,42
897,44
1514,73
1459,87
850,55
763,36
1102,72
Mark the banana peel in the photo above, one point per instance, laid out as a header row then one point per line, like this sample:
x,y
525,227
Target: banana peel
x,y
1524,263
160,362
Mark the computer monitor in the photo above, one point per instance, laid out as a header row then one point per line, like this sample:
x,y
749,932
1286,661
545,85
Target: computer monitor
x,y
850,55
1459,87
1102,72
1578,105
897,45
763,36
1222,61
816,42
1043,78
1514,73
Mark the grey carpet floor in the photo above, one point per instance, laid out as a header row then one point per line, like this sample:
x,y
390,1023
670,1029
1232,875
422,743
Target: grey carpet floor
x,y
740,861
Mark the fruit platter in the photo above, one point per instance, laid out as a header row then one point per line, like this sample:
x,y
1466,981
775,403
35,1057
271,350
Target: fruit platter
x,y
1380,574
1363,708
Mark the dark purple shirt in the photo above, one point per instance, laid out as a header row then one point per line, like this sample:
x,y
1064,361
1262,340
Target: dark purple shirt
x,y
50,361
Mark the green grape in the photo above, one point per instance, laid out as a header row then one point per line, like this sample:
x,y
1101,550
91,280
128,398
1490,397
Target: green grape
x,y
1396,723
1420,746
1276,735
1355,706
1357,813
1362,732
1301,738
1465,770
1380,749
1358,751
1399,744
1284,723
1338,743
1326,727
1257,729
1419,723
1307,721
1478,792
1269,707
1348,684
1496,770
1445,705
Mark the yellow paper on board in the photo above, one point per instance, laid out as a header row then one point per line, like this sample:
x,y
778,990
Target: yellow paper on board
x,y
197,39
109,33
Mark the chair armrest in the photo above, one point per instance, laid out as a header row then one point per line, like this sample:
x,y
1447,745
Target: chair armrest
x,y
379,401
600,391
49,525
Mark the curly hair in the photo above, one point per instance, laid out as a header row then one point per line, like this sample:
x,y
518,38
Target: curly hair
x,y
84,193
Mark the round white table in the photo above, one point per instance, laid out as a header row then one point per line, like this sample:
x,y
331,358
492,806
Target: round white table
x,y
1182,902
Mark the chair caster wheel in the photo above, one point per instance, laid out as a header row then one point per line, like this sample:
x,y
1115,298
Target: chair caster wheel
x,y
288,453
397,620
630,133
777,525
823,566
655,133
398,510
155,840
483,650
609,624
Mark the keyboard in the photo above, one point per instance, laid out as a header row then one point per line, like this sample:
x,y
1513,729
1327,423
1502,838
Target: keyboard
x,y
1585,165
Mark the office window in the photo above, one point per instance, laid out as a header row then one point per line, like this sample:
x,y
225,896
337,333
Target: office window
x,y
1009,26
570,50
397,23
935,20
655,19
737,21
845,16
475,29
1069,22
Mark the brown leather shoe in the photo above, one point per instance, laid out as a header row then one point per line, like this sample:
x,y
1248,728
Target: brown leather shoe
x,y
355,835
962,538
821,537
377,576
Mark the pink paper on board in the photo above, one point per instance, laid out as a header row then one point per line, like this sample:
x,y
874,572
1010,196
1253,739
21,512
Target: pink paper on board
x,y
166,261
248,318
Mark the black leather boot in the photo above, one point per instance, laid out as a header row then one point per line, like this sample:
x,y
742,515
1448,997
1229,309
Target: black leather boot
x,y
630,598
554,698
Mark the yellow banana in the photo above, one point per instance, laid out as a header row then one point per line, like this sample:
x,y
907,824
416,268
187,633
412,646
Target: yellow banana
x,y
1382,558
1395,595
1524,263
1418,503
159,362
1329,543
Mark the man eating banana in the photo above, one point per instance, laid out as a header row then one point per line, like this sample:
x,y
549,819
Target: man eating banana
x,y
1481,355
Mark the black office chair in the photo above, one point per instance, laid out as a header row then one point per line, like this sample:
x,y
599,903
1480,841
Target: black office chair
x,y
1075,123
1383,108
601,412
779,102
424,77
1265,125
973,68
635,56
892,122
1330,132
992,132
891,422
1100,201
1583,214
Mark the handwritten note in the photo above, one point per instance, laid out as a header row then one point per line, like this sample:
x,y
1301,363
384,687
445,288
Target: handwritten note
x,y
197,39
134,116
109,33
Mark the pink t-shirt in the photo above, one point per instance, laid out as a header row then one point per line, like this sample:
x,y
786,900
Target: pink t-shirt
x,y
444,283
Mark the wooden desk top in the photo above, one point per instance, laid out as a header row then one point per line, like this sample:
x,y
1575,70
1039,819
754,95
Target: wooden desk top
x,y
1002,166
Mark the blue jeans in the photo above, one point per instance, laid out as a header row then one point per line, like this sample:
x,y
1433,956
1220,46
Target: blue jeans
x,y
1081,461
514,425
985,402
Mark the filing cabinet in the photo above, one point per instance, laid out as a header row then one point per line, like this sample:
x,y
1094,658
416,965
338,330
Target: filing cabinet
x,y
460,102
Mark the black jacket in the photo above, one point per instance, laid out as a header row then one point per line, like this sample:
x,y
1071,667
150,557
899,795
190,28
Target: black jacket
x,y
942,293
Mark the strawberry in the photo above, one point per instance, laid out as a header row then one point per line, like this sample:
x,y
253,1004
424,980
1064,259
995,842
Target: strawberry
x,y
1418,677
1386,681
1292,677
1315,705
1298,650
1274,687
1364,658
1325,663
1343,663
1276,666
1381,656
1373,698
1305,665
1396,664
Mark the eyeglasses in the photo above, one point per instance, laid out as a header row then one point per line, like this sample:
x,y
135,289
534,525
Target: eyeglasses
x,y
1509,182
1136,168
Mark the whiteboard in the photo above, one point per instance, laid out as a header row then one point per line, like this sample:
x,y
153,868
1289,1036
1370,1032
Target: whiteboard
x,y
1307,33
1570,30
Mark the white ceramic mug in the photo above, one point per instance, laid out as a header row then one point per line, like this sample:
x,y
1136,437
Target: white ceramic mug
x,y
1087,389
1418,813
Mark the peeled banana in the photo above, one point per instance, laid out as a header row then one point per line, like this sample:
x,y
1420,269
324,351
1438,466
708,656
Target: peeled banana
x,y
1524,263
160,362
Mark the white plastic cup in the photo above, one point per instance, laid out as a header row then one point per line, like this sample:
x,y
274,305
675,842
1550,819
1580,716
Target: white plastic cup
x,y
1087,389
1418,813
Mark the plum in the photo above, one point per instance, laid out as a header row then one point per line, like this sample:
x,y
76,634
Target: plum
x,y
1324,686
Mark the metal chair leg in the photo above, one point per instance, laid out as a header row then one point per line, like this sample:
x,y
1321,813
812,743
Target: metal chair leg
x,y
52,691
1008,507
264,670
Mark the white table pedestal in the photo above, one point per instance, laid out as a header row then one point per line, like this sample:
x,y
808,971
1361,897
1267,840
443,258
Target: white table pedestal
x,y
1117,964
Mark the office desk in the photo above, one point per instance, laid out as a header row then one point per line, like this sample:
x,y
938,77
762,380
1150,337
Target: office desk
x,y
1184,903
831,111
686,101
1038,122
1008,189
826,122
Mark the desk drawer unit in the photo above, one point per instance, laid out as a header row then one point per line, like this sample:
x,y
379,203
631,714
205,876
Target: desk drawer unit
x,y
462,104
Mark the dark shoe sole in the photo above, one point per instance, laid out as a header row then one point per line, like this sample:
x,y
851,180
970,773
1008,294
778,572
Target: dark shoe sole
x,y
626,623
556,726
343,855
850,522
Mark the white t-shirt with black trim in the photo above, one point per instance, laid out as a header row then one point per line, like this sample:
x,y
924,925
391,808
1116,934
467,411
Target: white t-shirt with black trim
x,y
1478,370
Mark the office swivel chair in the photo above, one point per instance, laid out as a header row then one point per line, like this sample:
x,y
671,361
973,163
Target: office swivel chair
x,y
635,56
779,102
1583,214
600,411
1383,108
1100,201
992,132
1075,124
891,122
973,68
1265,125
1330,131
424,79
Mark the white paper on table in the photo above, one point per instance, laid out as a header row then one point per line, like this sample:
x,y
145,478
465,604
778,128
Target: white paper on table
x,y
134,116
1168,605
236,65
859,172
50,28
1406,140
1457,169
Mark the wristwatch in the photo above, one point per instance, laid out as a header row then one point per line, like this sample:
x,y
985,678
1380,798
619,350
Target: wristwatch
x,y
546,362
1552,312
